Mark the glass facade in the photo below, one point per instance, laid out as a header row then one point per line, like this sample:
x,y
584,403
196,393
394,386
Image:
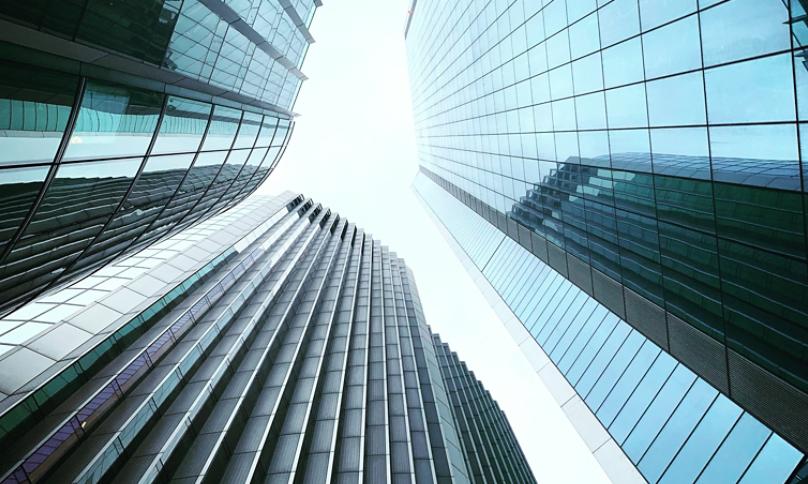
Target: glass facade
x,y
97,165
187,37
652,150
672,424
274,342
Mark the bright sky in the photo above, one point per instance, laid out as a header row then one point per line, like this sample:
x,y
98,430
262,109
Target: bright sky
x,y
353,149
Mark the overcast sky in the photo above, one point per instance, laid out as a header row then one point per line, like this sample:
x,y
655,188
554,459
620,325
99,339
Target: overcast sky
x,y
353,150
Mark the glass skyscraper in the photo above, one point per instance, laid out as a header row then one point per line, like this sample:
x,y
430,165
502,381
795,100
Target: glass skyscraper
x,y
627,178
124,121
275,342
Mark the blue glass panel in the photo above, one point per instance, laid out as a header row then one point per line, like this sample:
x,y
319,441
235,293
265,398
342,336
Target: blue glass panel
x,y
594,147
658,413
542,313
626,108
628,382
759,90
703,443
617,366
761,155
555,16
558,49
593,345
534,292
604,355
584,36
642,396
622,63
564,116
676,101
741,29
630,149
561,82
565,333
737,451
569,356
774,463
619,20
654,13
183,126
114,121
672,49
591,111
677,430
587,74
561,319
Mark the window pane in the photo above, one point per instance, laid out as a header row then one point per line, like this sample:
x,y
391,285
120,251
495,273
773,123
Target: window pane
x,y
19,188
626,108
760,90
761,155
672,49
248,130
114,121
735,454
677,430
658,413
619,20
681,152
34,109
774,463
223,127
654,13
676,101
622,63
742,29
704,441
268,126
183,126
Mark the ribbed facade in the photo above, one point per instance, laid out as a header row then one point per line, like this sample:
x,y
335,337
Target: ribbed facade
x,y
275,342
123,122
651,153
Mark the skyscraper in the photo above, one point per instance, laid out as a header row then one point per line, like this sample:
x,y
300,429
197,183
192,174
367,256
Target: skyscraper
x,y
625,180
123,122
275,342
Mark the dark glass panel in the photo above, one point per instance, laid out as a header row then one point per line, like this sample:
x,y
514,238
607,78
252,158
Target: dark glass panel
x,y
685,202
634,191
690,277
601,224
35,106
639,254
764,304
19,188
76,206
138,28
156,184
770,219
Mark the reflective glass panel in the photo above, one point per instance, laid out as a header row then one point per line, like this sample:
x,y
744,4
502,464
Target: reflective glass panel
x,y
222,130
34,110
183,126
114,121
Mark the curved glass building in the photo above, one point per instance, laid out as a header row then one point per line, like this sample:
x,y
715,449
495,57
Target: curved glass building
x,y
123,122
